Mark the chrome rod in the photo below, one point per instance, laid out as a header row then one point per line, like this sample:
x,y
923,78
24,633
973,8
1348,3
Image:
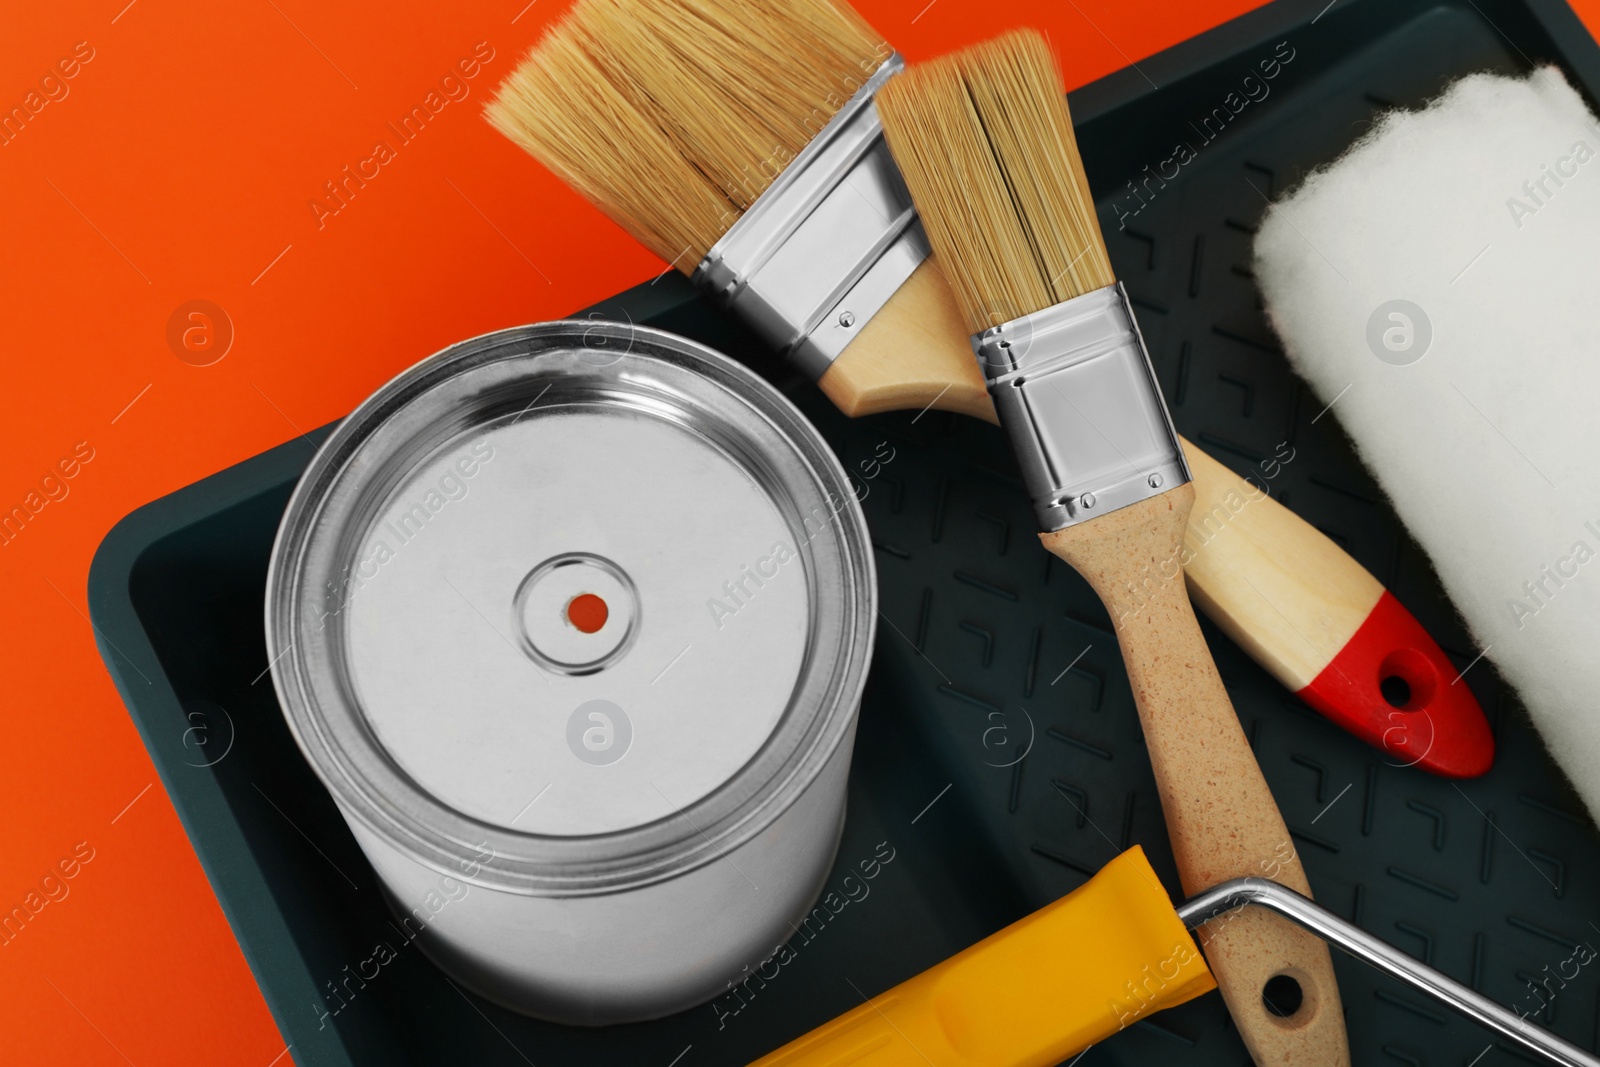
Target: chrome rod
x,y
1386,958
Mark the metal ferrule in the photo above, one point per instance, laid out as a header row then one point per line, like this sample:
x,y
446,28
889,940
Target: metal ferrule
x,y
827,244
1077,396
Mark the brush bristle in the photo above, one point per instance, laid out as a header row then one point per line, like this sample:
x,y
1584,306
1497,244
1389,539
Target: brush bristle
x,y
985,142
672,116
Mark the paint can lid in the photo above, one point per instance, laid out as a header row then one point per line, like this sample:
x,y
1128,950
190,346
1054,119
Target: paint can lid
x,y
589,591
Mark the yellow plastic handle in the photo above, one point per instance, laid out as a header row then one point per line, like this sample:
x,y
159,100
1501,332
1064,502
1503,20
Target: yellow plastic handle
x,y
1038,992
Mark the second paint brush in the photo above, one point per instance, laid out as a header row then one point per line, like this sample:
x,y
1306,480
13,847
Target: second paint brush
x,y
987,148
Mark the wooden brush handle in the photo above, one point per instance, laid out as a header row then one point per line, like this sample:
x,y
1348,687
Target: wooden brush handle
x,y
1220,815
911,355
1324,626
1291,598
1287,594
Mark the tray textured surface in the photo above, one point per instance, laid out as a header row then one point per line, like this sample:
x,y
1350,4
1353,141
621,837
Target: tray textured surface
x,y
999,754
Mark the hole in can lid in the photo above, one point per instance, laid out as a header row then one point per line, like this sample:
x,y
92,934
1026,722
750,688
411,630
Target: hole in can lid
x,y
587,612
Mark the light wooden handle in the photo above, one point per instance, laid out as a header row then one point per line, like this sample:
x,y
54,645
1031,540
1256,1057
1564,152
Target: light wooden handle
x,y
1289,596
911,355
1324,626
1285,593
1273,582
1220,815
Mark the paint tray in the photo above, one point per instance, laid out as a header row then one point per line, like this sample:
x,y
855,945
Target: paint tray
x,y
999,752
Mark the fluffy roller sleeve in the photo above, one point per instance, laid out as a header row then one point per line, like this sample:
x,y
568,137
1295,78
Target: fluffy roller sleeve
x,y
1442,281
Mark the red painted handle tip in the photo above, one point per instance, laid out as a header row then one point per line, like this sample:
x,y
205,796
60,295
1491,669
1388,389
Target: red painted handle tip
x,y
1393,687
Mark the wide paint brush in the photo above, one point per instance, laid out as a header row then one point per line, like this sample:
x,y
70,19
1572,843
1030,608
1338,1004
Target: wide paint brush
x,y
986,146
739,143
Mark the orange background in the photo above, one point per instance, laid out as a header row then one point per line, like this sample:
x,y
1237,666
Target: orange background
x,y
178,167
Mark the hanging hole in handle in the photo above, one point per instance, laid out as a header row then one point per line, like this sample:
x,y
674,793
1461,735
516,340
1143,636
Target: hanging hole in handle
x,y
1282,996
1395,690
1407,679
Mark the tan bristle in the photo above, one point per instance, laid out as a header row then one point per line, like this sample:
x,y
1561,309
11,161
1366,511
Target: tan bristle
x,y
985,142
672,116
561,109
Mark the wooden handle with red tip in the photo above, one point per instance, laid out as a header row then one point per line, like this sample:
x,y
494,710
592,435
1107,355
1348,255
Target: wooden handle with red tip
x,y
1221,818
1325,627
1291,598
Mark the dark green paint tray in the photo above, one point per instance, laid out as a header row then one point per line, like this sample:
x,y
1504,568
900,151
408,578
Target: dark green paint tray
x,y
993,649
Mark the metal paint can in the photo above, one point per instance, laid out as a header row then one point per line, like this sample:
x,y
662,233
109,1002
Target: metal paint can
x,y
572,620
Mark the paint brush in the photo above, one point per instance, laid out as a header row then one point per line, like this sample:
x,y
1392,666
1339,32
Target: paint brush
x,y
740,144
985,143
675,117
